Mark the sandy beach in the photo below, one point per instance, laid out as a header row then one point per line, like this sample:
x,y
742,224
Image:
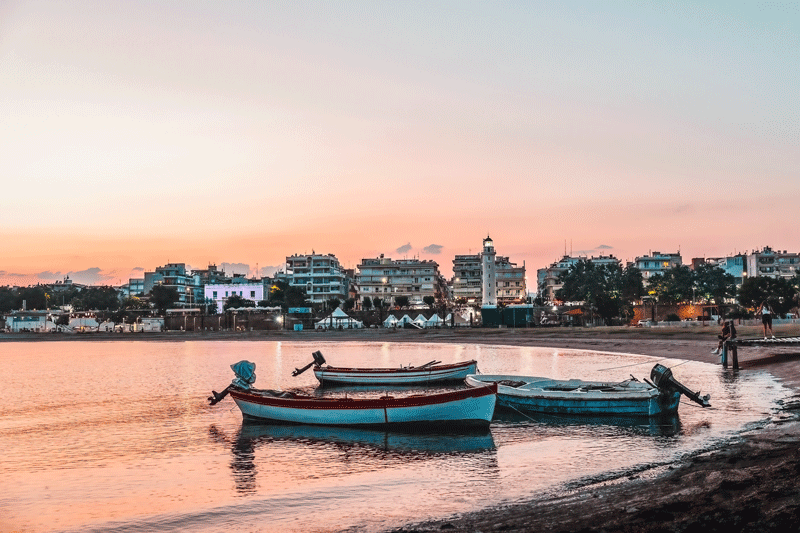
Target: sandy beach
x,y
750,485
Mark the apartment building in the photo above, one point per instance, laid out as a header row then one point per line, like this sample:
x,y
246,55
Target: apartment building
x,y
466,281
547,278
657,263
176,276
320,276
511,287
386,278
772,263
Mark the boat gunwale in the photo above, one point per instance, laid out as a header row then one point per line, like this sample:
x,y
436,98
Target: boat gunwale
x,y
385,402
390,371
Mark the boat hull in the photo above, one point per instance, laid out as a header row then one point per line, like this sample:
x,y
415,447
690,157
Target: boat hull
x,y
638,400
395,376
461,408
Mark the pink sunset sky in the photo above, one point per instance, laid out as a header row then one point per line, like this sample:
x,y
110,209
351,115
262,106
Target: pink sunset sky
x,y
140,133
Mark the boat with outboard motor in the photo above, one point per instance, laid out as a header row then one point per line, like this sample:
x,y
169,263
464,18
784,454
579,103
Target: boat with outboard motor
x,y
431,372
630,397
468,407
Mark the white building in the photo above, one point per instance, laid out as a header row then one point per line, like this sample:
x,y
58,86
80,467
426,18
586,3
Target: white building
x,y
387,279
220,292
320,276
772,263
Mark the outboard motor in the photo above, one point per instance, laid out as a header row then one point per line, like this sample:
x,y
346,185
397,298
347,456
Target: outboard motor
x,y
662,377
318,361
245,376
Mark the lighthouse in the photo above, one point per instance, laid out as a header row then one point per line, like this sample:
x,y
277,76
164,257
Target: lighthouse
x,y
488,275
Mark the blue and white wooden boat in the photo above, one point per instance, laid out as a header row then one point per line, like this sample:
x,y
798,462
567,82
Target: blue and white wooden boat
x,y
470,407
432,372
574,396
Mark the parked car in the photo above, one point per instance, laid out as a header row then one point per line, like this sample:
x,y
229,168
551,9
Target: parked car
x,y
645,323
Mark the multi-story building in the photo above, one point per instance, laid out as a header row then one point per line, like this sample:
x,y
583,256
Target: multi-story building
x,y
385,278
320,276
732,264
466,281
176,276
657,263
511,287
772,263
468,273
548,278
220,292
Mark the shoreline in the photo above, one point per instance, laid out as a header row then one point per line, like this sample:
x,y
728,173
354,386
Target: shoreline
x,y
750,485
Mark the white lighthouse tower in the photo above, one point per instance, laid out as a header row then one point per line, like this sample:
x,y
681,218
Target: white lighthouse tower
x,y
488,274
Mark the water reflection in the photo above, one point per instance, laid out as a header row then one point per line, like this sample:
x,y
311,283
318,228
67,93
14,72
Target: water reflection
x,y
348,443
663,426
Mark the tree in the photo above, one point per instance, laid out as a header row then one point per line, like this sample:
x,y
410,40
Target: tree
x,y
780,293
34,298
429,301
673,285
163,297
100,298
295,297
349,304
366,303
712,284
333,303
401,301
235,301
8,300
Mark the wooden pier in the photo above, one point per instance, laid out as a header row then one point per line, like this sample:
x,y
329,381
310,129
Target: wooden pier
x,y
731,347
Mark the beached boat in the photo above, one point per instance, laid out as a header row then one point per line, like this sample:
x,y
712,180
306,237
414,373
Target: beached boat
x,y
625,398
432,372
470,407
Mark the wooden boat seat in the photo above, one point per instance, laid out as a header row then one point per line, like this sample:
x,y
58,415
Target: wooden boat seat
x,y
273,393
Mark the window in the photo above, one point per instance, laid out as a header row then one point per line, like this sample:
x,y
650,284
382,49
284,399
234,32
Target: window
x,y
252,294
214,294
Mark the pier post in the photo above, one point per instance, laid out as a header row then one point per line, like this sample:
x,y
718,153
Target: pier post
x,y
724,355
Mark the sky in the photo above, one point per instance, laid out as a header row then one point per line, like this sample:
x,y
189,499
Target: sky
x,y
138,133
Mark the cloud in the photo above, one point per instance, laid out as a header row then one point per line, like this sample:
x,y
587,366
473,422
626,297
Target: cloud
x,y
433,249
269,271
90,276
48,276
404,249
235,268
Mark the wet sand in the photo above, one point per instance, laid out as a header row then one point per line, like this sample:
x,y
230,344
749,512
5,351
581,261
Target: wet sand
x,y
750,485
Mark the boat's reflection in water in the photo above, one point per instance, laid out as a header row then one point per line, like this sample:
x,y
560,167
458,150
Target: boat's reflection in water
x,y
365,446
547,424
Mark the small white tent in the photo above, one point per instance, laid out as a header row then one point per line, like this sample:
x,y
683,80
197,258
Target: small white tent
x,y
405,320
433,322
339,320
390,322
420,320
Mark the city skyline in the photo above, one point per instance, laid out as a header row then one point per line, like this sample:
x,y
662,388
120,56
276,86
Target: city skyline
x,y
207,133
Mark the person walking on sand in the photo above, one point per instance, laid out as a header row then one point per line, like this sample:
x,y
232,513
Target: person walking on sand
x,y
766,313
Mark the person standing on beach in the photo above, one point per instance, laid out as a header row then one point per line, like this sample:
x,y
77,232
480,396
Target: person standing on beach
x,y
766,318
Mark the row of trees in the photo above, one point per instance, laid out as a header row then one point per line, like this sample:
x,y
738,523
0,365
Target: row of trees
x,y
611,290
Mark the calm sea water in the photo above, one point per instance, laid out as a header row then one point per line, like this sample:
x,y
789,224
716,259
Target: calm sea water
x,y
118,436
